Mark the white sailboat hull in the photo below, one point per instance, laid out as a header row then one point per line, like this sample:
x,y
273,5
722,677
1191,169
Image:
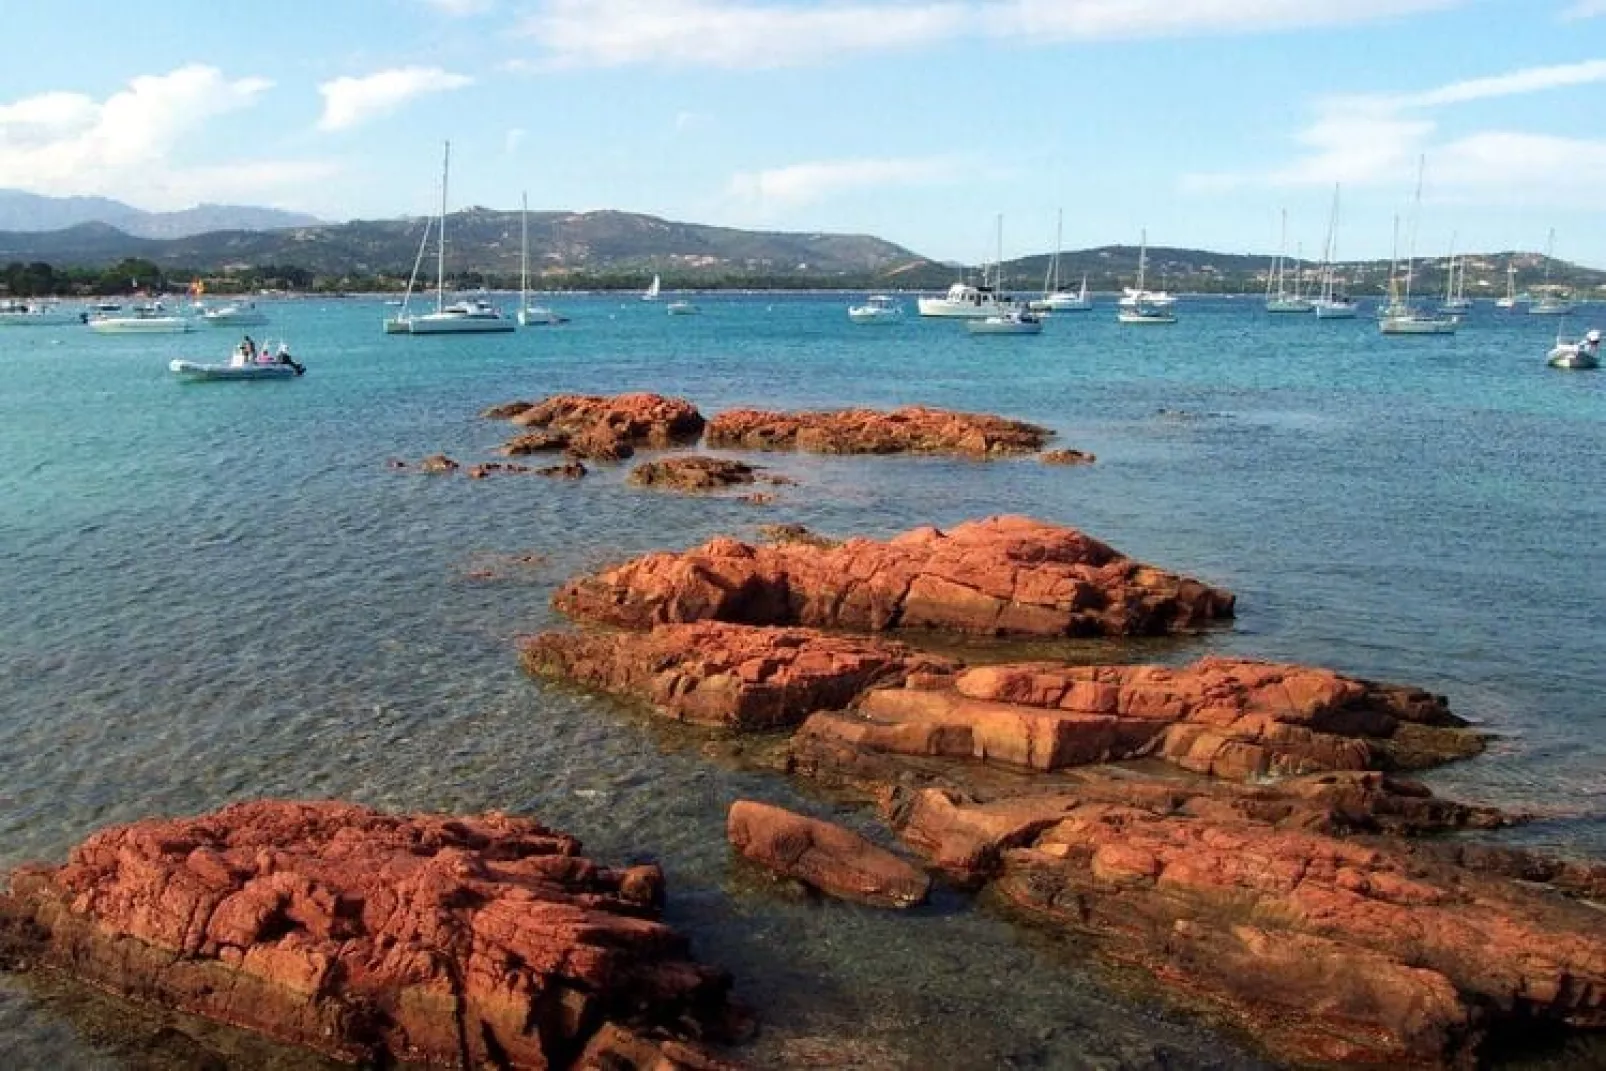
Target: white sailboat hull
x,y
1336,310
1062,303
446,324
1145,316
1286,305
1004,325
1417,325
141,325
1550,308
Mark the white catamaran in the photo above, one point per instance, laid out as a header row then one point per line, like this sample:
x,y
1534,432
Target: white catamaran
x,y
467,317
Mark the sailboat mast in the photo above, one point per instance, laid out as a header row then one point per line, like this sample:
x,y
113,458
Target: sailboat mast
x,y
524,252
1059,245
1143,254
998,271
1410,241
440,253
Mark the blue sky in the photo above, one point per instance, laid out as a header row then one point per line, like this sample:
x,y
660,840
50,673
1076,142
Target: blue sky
x,y
916,120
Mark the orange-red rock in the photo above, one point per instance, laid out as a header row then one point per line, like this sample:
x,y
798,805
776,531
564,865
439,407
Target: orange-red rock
x,y
640,418
1231,718
716,674
823,856
911,429
998,576
437,463
1336,950
1066,457
369,937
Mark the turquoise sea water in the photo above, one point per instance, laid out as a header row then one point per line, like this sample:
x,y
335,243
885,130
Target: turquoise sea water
x,y
211,592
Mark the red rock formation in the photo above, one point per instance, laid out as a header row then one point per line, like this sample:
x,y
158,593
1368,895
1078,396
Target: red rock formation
x,y
745,678
1336,950
692,473
911,429
369,937
1066,457
569,470
640,418
437,463
823,856
1231,718
535,442
998,576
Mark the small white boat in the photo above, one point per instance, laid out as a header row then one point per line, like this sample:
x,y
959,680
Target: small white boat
x,y
683,308
1335,308
142,320
235,314
1399,316
1416,322
1551,304
1017,322
37,314
540,316
652,290
964,302
530,315
1330,303
244,363
1509,301
1279,299
1054,299
1580,356
877,309
1145,314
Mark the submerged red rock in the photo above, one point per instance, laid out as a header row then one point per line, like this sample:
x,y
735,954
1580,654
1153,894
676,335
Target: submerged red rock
x,y
998,576
366,936
823,856
744,678
912,429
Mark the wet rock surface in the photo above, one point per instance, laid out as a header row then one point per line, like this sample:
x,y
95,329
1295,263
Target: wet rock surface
x,y
824,856
729,675
693,472
600,427
998,576
1066,457
908,430
472,941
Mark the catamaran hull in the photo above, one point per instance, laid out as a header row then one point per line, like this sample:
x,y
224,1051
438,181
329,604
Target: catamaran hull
x,y
425,325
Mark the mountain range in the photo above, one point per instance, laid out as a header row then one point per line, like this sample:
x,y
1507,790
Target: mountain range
x,y
612,248
23,211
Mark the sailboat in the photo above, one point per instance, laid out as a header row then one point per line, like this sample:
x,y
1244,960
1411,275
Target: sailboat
x,y
402,322
1552,301
1144,308
652,290
1510,300
1054,299
1400,317
1282,300
475,316
1011,318
530,315
1455,284
1330,304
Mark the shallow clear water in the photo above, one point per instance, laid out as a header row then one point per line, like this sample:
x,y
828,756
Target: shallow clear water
x,y
212,592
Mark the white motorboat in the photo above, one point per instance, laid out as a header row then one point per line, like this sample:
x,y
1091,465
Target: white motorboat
x,y
1017,322
1054,299
472,316
1281,299
151,319
1144,306
877,309
683,308
653,289
245,363
1335,308
540,316
235,314
1580,356
37,314
965,302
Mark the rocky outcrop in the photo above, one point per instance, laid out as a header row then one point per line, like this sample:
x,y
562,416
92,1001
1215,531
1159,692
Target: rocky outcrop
x,y
727,675
999,576
601,427
1231,718
692,472
1366,951
910,430
823,856
438,464
569,470
1066,457
482,941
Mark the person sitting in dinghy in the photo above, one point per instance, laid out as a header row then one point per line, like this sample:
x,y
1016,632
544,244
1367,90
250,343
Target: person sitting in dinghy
x,y
1591,343
283,357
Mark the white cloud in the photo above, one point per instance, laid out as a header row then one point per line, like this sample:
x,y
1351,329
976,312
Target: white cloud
x,y
64,143
732,33
1376,139
747,35
349,101
801,184
1584,9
